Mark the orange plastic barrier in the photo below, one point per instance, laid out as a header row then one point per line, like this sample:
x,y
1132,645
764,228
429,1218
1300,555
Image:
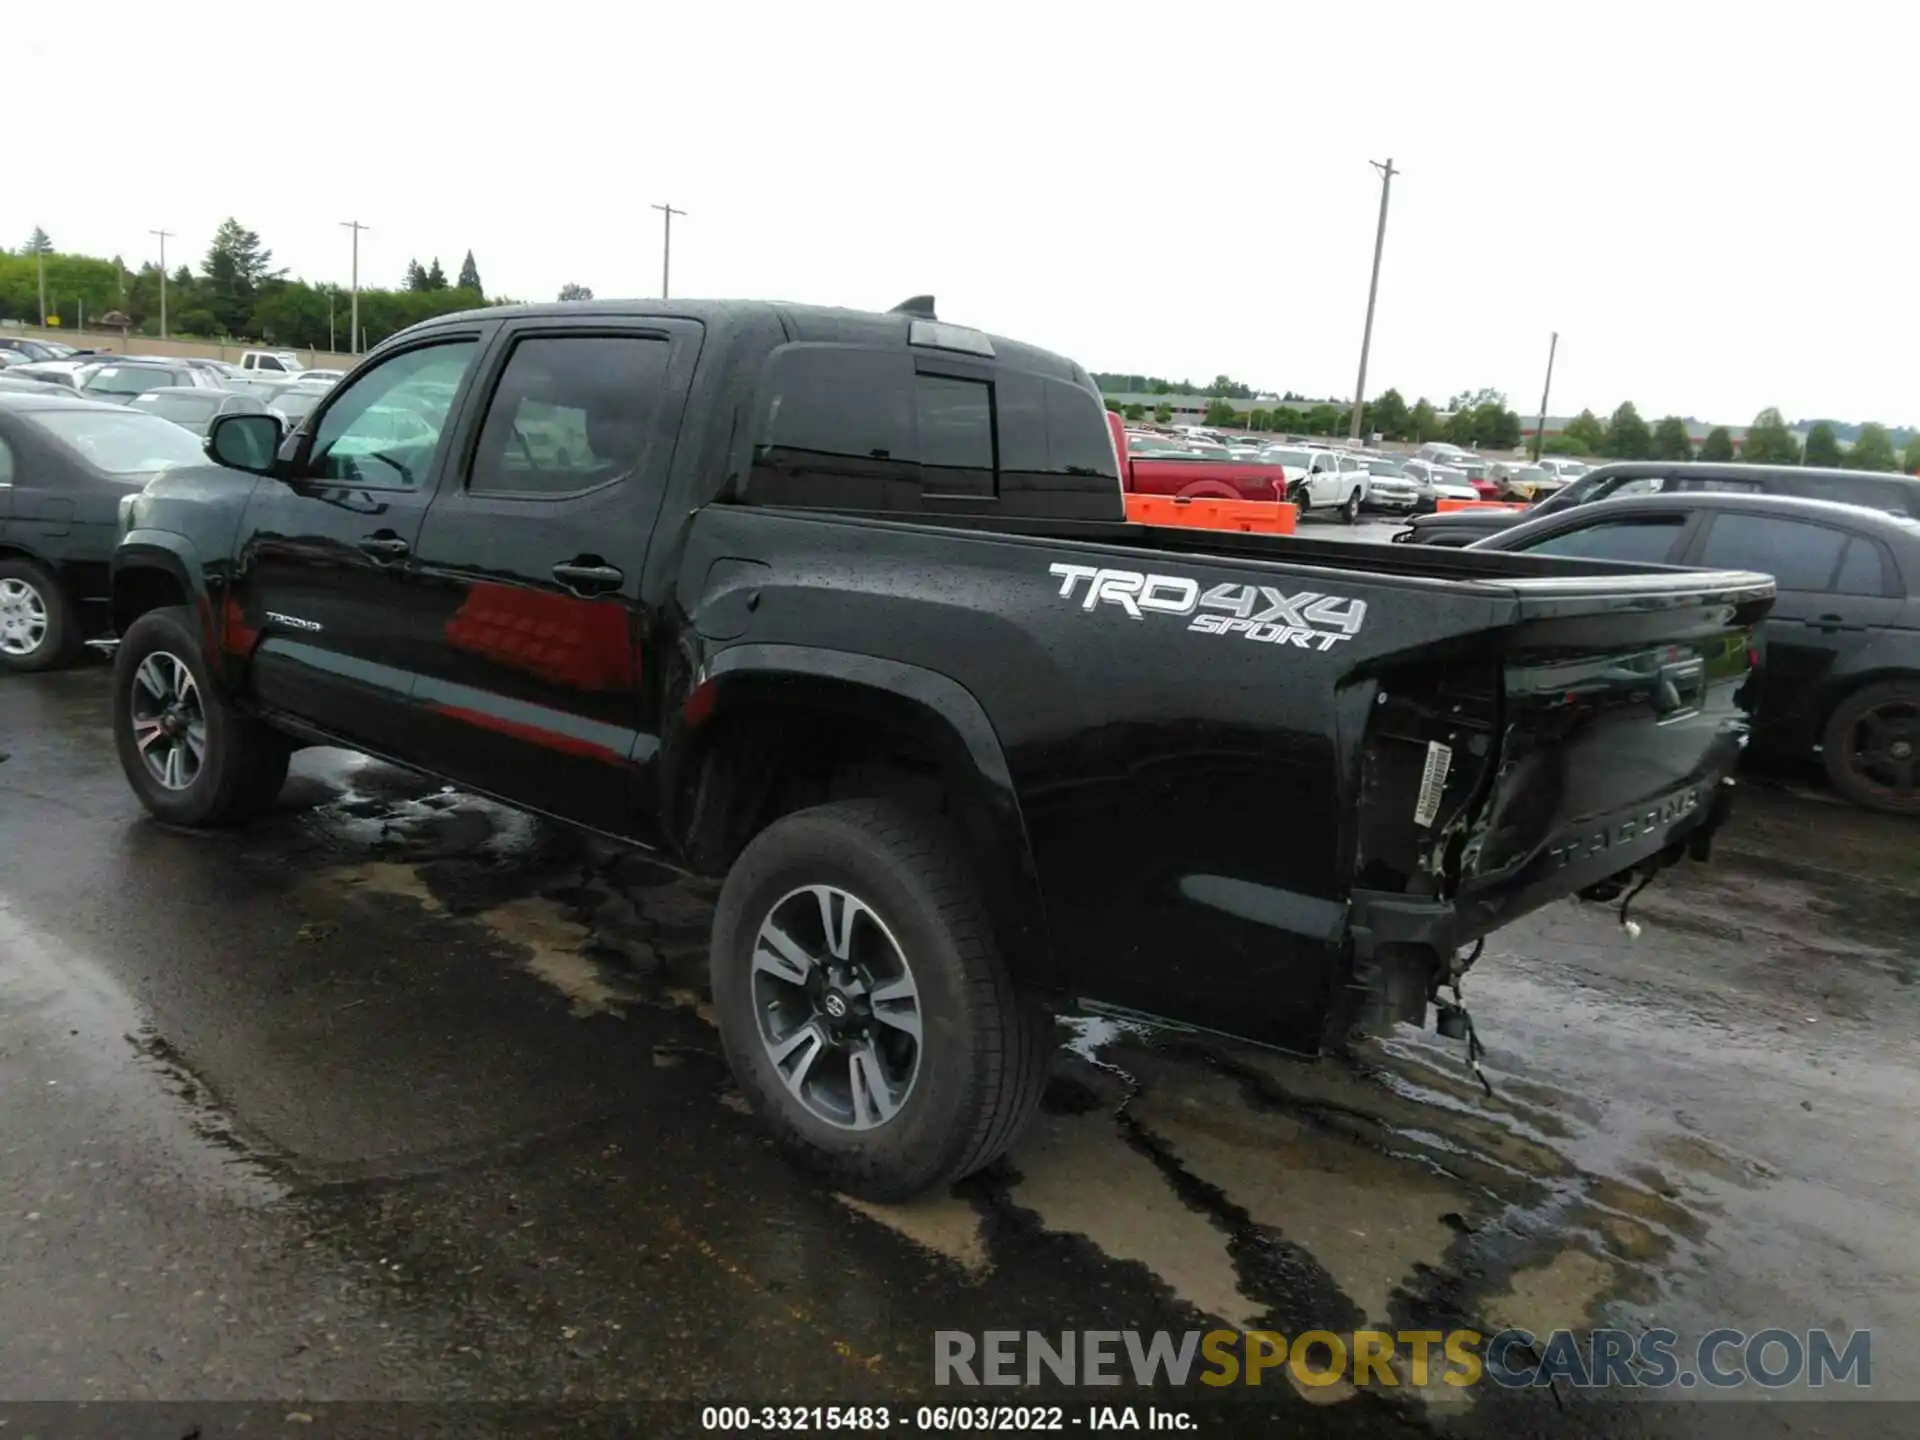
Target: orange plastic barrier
x,y
1265,517
1444,506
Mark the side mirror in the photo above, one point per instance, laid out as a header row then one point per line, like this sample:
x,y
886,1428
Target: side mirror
x,y
245,442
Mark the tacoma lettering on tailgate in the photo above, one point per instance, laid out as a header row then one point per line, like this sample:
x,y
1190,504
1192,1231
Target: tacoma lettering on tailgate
x,y
1638,826
1308,620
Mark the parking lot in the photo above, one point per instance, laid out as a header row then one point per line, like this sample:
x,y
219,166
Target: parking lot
x,y
401,1096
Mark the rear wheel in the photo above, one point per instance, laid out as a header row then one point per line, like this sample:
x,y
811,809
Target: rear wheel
x,y
1350,509
1871,747
190,755
39,626
863,1006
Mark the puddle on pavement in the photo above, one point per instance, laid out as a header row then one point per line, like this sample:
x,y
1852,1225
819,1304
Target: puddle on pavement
x,y
555,947
948,1225
1256,1189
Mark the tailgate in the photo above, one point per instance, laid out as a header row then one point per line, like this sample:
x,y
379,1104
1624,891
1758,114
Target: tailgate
x,y
1588,737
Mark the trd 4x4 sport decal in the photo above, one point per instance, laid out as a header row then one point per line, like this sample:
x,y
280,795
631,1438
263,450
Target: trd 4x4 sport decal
x,y
1310,620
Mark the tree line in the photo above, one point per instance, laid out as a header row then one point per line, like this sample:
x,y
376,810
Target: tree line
x,y
1769,441
236,293
1224,385
1482,420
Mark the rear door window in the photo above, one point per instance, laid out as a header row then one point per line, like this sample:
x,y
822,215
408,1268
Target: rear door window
x,y
837,429
1798,556
1889,495
570,413
1648,540
1861,572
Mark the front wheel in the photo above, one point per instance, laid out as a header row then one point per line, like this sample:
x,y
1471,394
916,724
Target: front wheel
x,y
1350,509
1871,747
191,757
863,1006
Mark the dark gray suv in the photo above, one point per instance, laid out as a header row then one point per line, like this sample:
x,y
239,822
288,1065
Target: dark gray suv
x,y
1896,494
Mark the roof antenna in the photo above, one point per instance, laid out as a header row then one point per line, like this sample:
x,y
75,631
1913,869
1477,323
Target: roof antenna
x,y
919,306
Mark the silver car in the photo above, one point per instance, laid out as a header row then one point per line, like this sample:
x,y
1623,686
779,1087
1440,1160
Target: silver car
x,y
1389,487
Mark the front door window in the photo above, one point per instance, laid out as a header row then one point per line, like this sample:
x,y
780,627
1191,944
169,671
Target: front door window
x,y
384,431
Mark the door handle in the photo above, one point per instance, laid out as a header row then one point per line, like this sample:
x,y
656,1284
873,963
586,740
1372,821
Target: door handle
x,y
1831,623
390,547
588,579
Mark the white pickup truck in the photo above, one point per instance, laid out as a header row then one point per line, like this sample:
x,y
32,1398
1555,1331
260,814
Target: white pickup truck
x,y
271,362
1322,479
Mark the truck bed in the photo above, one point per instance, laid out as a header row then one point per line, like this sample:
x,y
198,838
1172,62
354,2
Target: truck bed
x,y
1250,767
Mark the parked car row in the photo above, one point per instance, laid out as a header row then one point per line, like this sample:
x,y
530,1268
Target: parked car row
x,y
272,381
1395,483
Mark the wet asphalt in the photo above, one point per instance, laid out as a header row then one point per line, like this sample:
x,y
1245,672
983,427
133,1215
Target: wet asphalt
x,y
398,1096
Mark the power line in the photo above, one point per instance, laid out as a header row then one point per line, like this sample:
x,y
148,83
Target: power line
x,y
1387,172
165,235
1540,433
667,212
353,313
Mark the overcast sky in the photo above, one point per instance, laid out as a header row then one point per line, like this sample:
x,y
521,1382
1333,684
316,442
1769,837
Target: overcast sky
x,y
1714,204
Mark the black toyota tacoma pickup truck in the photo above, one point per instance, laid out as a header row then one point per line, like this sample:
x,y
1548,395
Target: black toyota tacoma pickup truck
x,y
843,607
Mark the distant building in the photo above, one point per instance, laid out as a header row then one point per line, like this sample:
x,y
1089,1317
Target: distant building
x,y
1188,409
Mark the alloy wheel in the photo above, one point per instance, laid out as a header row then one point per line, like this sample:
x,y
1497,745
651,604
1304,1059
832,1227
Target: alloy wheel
x,y
837,1007
169,720
1883,751
23,617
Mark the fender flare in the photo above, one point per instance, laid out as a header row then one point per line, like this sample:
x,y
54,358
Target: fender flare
x,y
174,555
942,711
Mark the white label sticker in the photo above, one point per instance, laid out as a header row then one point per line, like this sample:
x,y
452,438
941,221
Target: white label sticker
x,y
1433,782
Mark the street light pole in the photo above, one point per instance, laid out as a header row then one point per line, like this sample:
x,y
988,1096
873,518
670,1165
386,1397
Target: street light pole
x,y
353,311
332,349
40,259
164,235
1540,430
667,212
1387,172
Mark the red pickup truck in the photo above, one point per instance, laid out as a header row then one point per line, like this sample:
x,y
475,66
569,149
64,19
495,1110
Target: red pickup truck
x,y
1200,478
1322,480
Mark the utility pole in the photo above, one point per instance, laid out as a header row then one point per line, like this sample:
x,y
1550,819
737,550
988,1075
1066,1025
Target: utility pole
x,y
40,259
165,235
667,212
1540,430
353,313
1387,172
332,349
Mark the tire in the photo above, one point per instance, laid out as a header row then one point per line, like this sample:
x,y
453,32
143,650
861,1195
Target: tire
x,y
240,764
1350,509
1871,747
973,1078
39,624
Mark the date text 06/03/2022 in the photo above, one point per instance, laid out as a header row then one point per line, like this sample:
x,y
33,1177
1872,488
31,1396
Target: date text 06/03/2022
x,y
933,1419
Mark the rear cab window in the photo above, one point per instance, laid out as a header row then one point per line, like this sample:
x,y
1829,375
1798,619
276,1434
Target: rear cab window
x,y
872,423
